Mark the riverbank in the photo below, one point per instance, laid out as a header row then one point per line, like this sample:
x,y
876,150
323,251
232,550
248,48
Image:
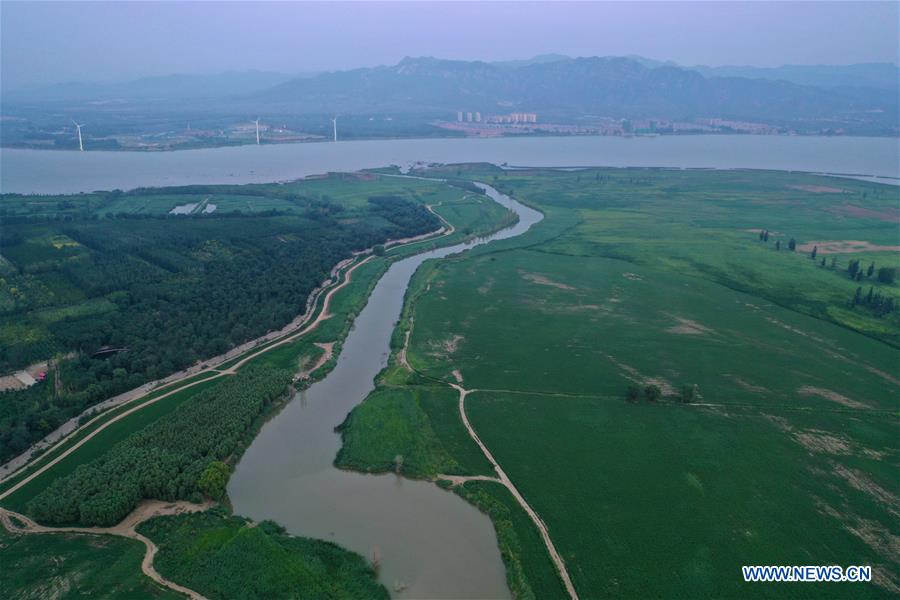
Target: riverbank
x,y
643,280
345,296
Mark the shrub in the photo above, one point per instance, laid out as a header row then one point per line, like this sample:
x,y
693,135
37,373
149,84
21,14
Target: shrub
x,y
887,274
652,393
633,393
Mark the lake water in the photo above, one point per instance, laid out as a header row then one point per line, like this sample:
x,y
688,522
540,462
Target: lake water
x,y
52,171
426,538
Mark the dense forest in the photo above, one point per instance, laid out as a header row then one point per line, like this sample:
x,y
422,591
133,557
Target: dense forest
x,y
83,273
223,556
179,457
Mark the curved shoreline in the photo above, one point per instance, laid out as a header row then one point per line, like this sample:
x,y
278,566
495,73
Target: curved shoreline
x,y
341,276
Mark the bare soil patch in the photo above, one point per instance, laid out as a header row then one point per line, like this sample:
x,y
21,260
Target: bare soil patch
x,y
743,383
831,395
822,442
688,327
452,345
889,215
632,276
861,482
542,280
637,377
874,536
844,247
883,375
817,189
328,351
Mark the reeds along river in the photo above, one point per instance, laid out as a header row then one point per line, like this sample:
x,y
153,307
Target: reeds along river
x,y
54,171
426,539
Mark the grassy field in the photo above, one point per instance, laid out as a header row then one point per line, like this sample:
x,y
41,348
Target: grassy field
x,y
470,215
787,452
69,566
419,424
221,556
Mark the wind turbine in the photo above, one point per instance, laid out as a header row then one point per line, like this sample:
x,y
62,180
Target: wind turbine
x,y
257,130
334,125
78,127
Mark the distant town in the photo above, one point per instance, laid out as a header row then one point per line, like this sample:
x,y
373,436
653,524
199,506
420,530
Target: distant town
x,y
474,124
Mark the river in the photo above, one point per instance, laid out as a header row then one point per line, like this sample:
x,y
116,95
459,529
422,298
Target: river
x,y
57,171
426,538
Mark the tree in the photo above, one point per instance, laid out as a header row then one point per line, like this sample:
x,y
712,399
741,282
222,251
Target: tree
x,y
857,296
214,479
378,250
652,393
823,261
887,274
792,245
688,392
778,245
766,236
633,393
815,250
761,234
871,269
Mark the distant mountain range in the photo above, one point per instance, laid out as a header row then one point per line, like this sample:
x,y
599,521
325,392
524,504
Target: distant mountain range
x,y
854,98
609,86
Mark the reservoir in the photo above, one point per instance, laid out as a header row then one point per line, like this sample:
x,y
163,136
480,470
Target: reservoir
x,y
426,538
57,171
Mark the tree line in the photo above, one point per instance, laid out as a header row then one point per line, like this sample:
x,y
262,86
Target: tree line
x,y
175,292
653,393
176,458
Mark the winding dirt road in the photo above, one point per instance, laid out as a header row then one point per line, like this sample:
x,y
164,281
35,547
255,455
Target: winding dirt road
x,y
127,529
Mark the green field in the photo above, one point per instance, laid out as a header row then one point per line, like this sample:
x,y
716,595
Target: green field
x,y
787,452
69,566
221,556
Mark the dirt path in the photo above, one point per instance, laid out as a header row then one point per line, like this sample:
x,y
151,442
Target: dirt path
x,y
460,479
501,478
401,356
504,479
88,437
127,529
322,315
301,326
327,353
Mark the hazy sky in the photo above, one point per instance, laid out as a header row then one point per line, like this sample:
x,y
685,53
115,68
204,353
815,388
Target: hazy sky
x,y
49,42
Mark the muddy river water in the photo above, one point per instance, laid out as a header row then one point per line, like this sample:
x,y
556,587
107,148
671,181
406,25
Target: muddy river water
x,y
426,539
